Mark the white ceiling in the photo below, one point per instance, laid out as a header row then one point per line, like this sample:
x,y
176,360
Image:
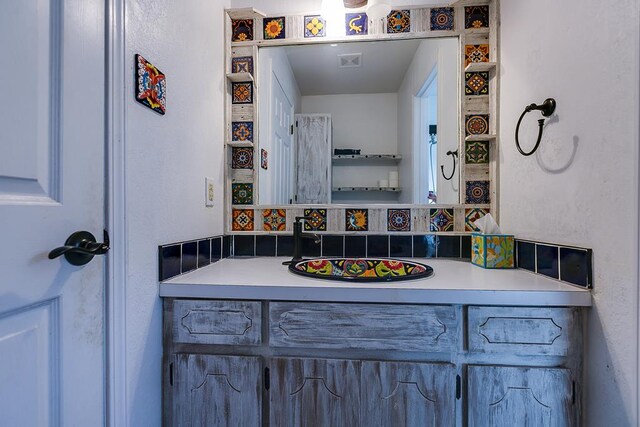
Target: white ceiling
x,y
384,64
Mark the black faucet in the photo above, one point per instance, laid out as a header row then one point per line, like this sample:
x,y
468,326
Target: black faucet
x,y
298,235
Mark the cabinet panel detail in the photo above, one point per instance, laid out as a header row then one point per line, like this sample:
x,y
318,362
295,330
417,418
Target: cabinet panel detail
x,y
408,394
521,330
363,326
511,396
217,322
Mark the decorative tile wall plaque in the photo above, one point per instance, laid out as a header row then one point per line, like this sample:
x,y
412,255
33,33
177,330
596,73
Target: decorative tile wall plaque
x,y
264,162
476,17
318,221
472,215
274,219
476,53
399,21
241,158
477,192
476,83
476,124
242,64
151,87
242,93
242,131
398,219
314,26
356,24
242,30
242,219
274,28
442,19
441,219
241,194
477,152
356,219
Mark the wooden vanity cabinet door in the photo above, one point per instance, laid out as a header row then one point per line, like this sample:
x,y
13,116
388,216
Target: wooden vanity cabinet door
x,y
520,397
217,391
314,392
408,394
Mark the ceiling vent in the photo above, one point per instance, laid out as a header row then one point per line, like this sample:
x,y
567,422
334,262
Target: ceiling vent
x,y
350,60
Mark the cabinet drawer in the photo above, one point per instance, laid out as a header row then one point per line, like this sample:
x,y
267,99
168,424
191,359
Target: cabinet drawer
x,y
523,330
216,322
363,326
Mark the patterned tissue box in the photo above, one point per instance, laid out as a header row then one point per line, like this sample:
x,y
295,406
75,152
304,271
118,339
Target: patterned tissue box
x,y
492,250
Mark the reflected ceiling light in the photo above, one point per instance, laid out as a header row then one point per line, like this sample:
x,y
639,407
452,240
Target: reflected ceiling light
x,y
378,9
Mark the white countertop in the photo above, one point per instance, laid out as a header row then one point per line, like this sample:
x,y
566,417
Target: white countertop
x,y
453,282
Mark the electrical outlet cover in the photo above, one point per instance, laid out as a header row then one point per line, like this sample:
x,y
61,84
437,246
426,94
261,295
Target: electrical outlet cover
x,y
209,187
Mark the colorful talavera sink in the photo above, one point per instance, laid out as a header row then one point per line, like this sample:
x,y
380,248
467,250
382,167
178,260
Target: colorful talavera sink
x,y
361,269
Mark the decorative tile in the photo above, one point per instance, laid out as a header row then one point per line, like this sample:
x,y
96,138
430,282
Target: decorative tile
x,y
399,21
151,87
476,53
442,18
477,152
314,26
242,93
476,124
476,17
264,162
242,219
471,215
242,194
356,219
274,28
398,219
242,131
242,64
441,219
241,158
274,219
241,30
477,192
357,24
476,83
318,221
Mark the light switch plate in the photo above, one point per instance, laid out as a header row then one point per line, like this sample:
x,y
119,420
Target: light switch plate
x,y
209,188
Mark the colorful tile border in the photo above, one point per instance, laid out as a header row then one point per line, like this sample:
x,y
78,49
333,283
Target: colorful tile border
x,y
274,219
399,219
264,160
399,21
476,152
441,219
356,24
242,64
242,93
477,192
442,19
241,194
242,219
356,219
274,28
242,131
241,30
181,257
151,85
471,215
318,221
476,83
476,53
314,26
241,157
476,124
476,17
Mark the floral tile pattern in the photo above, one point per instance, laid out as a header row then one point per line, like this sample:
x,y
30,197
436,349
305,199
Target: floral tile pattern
x,y
241,194
476,53
442,18
242,93
241,158
241,30
356,24
318,221
476,17
242,219
242,131
476,83
476,124
398,219
477,152
356,219
314,26
242,64
274,219
441,219
264,162
151,87
477,192
399,21
471,215
274,28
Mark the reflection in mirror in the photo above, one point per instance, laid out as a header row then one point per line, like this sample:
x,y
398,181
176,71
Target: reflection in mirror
x,y
364,122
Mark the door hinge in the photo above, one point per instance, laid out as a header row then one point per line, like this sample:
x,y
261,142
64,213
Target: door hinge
x,y
267,379
291,129
171,374
458,387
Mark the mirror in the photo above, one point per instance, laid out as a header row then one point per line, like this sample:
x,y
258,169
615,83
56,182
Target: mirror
x,y
359,122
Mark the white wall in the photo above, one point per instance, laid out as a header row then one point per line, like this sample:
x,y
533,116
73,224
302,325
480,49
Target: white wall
x,y
167,159
273,7
582,186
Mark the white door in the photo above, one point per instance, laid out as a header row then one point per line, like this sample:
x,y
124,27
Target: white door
x,y
313,162
52,137
281,113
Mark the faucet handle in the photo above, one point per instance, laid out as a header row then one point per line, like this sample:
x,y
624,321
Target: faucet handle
x,y
306,218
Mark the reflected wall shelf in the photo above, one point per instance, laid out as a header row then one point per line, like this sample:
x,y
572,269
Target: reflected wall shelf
x,y
370,189
480,138
240,77
354,159
240,144
245,13
480,66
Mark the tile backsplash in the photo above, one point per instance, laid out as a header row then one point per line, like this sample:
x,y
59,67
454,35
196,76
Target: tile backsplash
x,y
178,258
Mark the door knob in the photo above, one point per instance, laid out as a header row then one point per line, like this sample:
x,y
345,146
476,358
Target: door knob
x,y
81,247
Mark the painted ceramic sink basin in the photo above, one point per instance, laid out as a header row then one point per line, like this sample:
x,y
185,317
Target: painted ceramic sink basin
x,y
361,269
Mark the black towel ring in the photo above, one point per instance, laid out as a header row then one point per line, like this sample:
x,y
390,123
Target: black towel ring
x,y
547,108
453,155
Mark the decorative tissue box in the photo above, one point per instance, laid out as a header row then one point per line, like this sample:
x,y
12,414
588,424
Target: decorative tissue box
x,y
492,250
